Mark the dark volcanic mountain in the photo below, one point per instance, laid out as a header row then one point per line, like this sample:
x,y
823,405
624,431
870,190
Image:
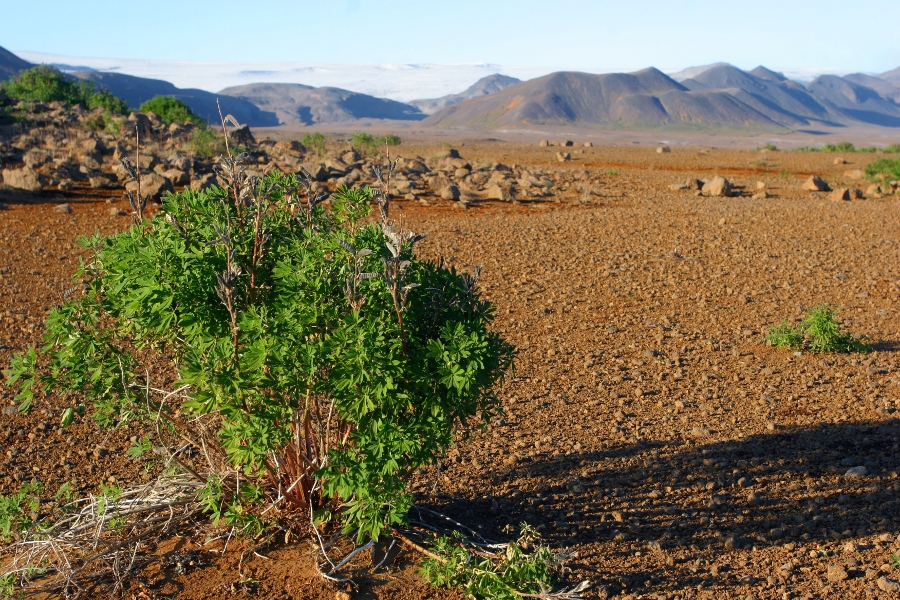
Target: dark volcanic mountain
x,y
137,90
10,64
645,98
295,104
482,87
885,88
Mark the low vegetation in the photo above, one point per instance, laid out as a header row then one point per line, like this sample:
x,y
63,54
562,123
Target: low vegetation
x,y
314,142
171,110
844,147
884,168
46,84
368,145
818,332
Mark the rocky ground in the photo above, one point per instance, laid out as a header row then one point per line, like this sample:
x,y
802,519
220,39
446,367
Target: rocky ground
x,y
647,425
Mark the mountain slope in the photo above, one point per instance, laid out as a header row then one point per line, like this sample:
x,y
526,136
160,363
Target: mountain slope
x,y
885,88
645,98
482,87
10,64
854,101
780,99
893,76
296,104
137,90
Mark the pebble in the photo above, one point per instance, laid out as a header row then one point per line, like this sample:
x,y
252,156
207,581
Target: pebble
x,y
836,573
753,498
63,209
886,585
10,411
854,472
700,432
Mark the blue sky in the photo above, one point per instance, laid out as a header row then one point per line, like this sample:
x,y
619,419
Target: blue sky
x,y
560,34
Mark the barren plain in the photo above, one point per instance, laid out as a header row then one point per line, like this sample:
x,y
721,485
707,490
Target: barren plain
x,y
648,427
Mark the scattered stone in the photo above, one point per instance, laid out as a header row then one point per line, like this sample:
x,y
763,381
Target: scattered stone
x,y
242,136
836,573
753,498
855,472
152,184
816,184
115,212
568,143
840,194
26,179
761,185
563,156
886,585
451,192
678,186
544,143
717,186
874,191
854,174
64,209
496,192
840,161
663,150
700,432
204,182
760,195
589,144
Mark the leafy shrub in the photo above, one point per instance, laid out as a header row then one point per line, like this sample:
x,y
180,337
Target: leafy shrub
x,y
46,84
785,335
171,110
769,146
207,142
338,361
818,332
315,142
893,149
889,168
367,144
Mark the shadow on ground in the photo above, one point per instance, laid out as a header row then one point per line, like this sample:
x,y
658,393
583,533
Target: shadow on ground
x,y
683,497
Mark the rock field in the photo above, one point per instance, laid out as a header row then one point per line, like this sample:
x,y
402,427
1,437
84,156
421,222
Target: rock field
x,y
648,426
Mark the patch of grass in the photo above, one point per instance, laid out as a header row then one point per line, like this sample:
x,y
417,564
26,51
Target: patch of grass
x,y
785,335
893,149
314,142
612,172
770,146
819,332
171,110
785,175
208,143
16,509
367,144
888,168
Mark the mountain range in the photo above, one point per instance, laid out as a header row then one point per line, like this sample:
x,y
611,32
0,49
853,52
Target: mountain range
x,y
714,96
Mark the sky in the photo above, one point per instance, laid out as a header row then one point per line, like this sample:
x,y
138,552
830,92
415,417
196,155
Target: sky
x,y
532,35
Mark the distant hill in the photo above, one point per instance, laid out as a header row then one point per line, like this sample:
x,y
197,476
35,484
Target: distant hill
x,y
10,64
482,87
692,72
854,101
645,98
885,88
296,104
137,90
783,101
892,76
718,95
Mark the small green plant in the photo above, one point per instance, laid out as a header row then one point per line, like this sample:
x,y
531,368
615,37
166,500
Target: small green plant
x,y
46,84
785,335
770,146
171,110
612,172
314,142
207,142
893,149
369,145
515,574
140,447
888,168
818,332
895,561
16,510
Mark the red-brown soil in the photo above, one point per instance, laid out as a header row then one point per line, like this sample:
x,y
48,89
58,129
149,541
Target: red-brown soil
x,y
648,426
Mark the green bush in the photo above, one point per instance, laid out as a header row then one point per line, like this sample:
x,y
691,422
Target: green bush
x,y
888,168
46,84
367,144
171,110
893,149
818,332
337,361
314,142
207,142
